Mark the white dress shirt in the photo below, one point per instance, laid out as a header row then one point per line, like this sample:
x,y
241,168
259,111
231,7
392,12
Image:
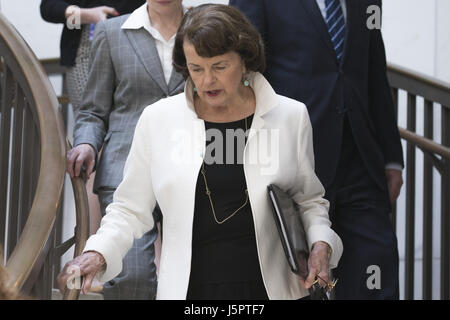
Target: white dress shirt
x,y
322,7
141,19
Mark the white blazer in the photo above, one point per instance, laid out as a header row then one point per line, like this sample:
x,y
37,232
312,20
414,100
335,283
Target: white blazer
x,y
163,165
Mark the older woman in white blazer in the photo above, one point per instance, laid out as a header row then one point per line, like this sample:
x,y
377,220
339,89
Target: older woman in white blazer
x,y
219,237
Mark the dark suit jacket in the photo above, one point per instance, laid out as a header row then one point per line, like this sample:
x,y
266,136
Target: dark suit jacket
x,y
302,64
54,11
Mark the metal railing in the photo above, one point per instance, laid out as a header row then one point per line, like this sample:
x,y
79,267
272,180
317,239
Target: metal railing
x,y
436,95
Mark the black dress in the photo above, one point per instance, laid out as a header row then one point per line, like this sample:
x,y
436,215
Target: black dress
x,y
225,261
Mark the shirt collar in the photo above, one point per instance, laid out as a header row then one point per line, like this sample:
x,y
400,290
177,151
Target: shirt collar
x,y
139,18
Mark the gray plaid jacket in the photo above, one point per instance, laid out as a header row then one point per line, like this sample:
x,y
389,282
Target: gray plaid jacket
x,y
125,76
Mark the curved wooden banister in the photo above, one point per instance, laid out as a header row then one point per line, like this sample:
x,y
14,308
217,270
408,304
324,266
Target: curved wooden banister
x,y
82,224
30,76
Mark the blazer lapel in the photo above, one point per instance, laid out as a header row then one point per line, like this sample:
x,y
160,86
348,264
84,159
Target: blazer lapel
x,y
313,12
266,99
257,124
145,48
175,80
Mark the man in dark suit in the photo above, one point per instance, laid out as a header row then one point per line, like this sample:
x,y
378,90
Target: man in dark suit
x,y
321,52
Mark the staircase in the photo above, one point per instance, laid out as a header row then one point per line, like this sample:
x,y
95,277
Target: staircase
x,y
33,144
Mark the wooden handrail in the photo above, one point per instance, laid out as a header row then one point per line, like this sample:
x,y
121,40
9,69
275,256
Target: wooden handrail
x,y
82,224
434,93
425,144
419,84
52,66
37,89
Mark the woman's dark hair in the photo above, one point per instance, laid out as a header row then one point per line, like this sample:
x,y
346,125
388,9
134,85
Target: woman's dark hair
x,y
215,29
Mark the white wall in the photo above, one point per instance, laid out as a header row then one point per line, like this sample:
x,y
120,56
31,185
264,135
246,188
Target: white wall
x,y
42,37
416,34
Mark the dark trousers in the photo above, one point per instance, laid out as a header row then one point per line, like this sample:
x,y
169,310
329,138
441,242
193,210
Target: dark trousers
x,y
359,212
137,281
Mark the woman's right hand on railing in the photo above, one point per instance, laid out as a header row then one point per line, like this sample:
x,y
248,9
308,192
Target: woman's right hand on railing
x,y
91,15
81,155
86,265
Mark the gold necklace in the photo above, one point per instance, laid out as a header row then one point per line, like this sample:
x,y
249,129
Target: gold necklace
x,y
208,192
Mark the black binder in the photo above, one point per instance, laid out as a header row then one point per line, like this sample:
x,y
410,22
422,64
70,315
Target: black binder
x,y
293,236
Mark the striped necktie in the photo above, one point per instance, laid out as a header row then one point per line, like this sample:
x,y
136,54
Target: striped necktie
x,y
336,26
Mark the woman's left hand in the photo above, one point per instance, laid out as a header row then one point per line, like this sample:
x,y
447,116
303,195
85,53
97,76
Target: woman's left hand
x,y
318,264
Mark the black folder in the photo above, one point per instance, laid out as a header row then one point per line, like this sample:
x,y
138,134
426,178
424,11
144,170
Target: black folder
x,y
292,235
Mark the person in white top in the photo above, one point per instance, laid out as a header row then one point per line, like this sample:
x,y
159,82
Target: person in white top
x,y
221,55
130,69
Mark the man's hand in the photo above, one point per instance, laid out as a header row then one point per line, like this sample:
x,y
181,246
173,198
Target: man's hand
x,y
395,182
83,154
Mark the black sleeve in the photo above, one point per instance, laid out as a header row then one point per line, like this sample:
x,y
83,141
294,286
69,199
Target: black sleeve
x,y
381,102
54,10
